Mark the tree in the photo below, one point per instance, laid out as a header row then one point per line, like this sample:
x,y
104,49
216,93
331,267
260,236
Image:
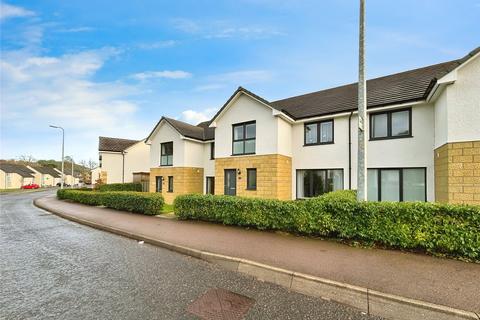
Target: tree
x,y
26,158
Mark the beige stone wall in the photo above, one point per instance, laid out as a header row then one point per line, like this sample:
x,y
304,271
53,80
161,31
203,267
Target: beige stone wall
x,y
274,175
457,172
185,180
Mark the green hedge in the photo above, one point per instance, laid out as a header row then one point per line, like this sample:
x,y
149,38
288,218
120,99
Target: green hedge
x,y
433,227
120,187
139,202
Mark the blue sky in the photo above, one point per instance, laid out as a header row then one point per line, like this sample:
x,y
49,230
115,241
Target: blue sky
x,y
113,68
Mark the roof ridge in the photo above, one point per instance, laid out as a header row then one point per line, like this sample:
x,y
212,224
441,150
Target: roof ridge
x,y
372,79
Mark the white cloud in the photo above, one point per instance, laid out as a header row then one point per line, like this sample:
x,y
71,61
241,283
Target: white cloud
x,y
9,11
39,90
77,29
157,44
195,117
167,74
224,29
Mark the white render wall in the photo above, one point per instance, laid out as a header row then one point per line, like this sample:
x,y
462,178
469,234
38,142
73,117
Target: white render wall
x,y
400,153
166,133
137,159
208,165
112,163
244,109
458,107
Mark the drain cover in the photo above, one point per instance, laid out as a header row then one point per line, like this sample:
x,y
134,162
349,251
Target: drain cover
x,y
220,304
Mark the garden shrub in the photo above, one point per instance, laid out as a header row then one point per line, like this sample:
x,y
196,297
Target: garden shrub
x,y
433,227
131,186
139,202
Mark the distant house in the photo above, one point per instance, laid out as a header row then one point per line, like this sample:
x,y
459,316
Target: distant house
x,y
45,176
68,178
119,159
95,175
14,176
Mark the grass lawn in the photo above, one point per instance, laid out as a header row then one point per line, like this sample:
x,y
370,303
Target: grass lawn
x,y
22,190
167,208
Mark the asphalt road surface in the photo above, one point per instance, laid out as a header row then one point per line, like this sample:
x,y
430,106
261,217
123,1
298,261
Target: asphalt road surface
x,y
51,268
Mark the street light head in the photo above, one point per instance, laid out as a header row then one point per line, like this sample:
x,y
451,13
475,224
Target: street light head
x,y
53,126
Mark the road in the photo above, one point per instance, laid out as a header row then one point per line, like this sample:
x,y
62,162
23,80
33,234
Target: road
x,y
52,268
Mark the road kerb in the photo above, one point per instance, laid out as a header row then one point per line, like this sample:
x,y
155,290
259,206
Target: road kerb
x,y
373,302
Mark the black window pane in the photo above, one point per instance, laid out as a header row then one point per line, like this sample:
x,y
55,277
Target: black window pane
x,y
170,184
252,179
401,123
380,125
238,132
326,132
250,131
311,133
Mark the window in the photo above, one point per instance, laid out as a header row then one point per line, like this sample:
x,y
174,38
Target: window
x,y
100,161
210,187
212,150
166,157
314,182
319,132
158,184
252,179
244,135
391,124
170,184
397,184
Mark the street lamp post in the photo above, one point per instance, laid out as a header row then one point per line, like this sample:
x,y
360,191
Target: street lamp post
x,y
362,111
63,149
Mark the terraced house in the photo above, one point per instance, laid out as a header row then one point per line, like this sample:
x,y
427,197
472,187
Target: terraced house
x,y
423,129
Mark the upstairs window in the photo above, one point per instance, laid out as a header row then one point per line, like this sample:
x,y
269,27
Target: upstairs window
x,y
244,136
212,150
391,124
166,157
319,132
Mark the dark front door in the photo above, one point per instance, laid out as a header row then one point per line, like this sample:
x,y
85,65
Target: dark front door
x,y
230,182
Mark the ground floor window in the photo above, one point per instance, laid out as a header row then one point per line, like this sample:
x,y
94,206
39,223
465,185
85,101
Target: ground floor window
x,y
210,187
170,184
314,182
158,184
251,179
397,184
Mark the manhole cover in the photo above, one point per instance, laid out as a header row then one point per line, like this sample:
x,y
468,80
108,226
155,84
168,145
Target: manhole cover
x,y
220,304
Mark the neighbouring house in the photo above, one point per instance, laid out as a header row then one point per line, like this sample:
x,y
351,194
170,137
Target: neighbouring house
x,y
423,144
14,176
45,176
119,159
181,158
69,179
95,175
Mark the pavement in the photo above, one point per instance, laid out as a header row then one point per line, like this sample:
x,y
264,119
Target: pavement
x,y
446,282
52,268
